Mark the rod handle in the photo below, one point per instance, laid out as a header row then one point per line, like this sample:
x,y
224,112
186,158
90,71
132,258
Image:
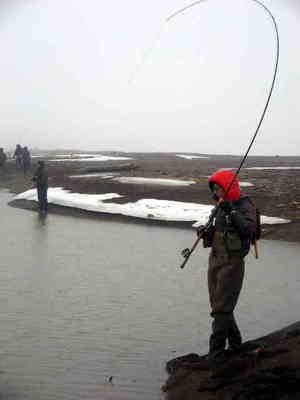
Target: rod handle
x,y
256,252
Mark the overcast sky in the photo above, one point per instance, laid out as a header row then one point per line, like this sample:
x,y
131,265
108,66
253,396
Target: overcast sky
x,y
100,75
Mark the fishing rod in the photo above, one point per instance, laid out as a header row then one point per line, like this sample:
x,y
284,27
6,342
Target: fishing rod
x,y
187,252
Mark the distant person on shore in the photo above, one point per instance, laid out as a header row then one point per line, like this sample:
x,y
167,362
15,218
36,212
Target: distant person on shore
x,y
26,160
40,179
229,237
18,155
3,159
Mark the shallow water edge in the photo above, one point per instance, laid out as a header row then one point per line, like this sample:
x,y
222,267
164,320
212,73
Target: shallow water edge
x,y
289,232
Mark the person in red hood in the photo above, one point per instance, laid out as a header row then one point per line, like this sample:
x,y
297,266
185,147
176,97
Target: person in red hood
x,y
229,237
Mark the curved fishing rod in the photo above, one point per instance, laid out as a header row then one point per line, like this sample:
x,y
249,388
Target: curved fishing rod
x,y
186,253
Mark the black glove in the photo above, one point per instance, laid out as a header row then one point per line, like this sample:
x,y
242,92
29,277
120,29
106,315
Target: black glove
x,y
226,206
200,230
215,197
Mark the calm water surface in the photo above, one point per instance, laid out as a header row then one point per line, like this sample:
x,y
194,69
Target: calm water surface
x,y
84,300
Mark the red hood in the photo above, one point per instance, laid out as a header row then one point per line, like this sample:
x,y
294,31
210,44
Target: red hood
x,y
224,177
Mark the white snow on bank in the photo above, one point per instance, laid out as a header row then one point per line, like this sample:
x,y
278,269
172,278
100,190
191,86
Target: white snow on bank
x,y
246,184
74,155
164,210
101,175
262,168
62,197
190,157
155,181
87,157
145,181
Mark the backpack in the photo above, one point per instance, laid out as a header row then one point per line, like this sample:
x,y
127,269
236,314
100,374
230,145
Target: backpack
x,y
257,234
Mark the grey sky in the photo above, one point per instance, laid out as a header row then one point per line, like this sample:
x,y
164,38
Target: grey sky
x,y
79,74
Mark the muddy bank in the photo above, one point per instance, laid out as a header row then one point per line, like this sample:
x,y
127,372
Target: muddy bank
x,y
276,191
265,368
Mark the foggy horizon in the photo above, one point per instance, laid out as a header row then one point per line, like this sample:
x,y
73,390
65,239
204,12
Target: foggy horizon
x,y
70,150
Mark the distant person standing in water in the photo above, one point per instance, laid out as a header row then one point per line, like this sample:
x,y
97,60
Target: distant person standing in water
x,y
26,160
3,159
41,180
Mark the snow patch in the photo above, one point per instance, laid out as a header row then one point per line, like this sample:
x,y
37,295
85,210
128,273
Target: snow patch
x,y
154,181
276,168
101,175
86,157
190,157
246,184
164,210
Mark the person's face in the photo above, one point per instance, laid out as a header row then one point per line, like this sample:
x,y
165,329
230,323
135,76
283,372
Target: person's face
x,y
219,191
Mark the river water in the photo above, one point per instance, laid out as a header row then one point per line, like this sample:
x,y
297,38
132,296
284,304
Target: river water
x,y
83,300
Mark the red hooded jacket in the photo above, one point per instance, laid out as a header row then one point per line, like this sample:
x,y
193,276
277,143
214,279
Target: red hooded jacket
x,y
223,178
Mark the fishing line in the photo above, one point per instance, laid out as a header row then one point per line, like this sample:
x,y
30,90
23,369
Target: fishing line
x,y
186,253
195,3
181,11
147,53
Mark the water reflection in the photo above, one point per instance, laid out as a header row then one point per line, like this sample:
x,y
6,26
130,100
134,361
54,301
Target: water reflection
x,y
41,219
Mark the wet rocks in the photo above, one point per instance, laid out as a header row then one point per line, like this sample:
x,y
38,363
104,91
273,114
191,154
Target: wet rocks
x,y
267,368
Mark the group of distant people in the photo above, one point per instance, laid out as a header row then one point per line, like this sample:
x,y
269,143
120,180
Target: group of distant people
x,y
21,155
23,158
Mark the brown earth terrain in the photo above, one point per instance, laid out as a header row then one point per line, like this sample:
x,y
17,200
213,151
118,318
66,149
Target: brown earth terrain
x,y
276,192
267,368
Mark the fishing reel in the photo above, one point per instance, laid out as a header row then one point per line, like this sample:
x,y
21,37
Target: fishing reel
x,y
186,252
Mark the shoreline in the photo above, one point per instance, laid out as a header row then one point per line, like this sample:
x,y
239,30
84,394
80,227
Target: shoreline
x,y
275,191
81,213
269,232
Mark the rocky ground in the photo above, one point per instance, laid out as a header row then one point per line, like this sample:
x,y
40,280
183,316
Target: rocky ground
x,y
267,368
276,192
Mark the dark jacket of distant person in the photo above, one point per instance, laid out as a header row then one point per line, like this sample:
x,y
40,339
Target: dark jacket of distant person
x,y
18,151
3,157
41,180
40,176
18,154
26,158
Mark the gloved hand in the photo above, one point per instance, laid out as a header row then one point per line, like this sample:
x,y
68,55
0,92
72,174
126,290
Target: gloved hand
x,y
215,197
226,206
200,230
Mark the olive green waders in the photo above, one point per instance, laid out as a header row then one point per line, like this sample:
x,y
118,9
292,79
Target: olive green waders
x,y
225,279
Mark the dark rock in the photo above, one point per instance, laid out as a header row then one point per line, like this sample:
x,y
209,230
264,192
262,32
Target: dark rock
x,y
173,365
